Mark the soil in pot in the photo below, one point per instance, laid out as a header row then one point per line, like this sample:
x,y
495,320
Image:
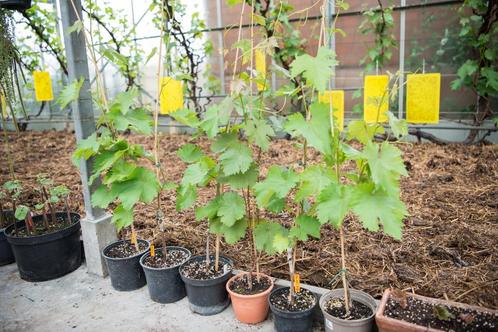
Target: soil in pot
x,y
447,318
126,249
206,287
304,300
250,286
199,270
40,229
335,307
173,258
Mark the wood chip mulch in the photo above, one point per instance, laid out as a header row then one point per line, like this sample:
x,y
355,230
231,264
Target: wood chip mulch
x,y
449,247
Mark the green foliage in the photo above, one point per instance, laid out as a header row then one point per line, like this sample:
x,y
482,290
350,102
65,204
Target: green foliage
x,y
117,162
70,93
380,22
316,70
21,212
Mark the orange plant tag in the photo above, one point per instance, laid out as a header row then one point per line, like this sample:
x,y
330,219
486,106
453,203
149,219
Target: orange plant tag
x,y
297,283
133,238
152,250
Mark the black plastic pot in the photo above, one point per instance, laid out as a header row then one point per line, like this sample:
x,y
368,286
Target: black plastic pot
x,y
6,254
165,284
20,5
288,321
207,297
48,256
126,273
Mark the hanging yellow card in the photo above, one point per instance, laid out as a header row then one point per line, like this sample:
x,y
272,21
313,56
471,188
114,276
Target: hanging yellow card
x,y
43,86
171,95
3,103
376,98
337,97
422,98
260,59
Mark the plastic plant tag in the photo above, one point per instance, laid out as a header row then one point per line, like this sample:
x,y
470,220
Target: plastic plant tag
x,y
297,283
376,98
3,104
152,250
133,237
225,269
171,95
260,59
43,86
422,98
337,97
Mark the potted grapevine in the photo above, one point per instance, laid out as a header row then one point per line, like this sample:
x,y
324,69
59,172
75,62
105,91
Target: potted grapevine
x,y
123,182
46,245
6,218
292,306
370,191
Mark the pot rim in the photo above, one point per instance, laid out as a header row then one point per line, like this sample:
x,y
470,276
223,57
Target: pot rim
x,y
274,308
10,234
387,294
124,258
147,254
242,296
328,295
228,260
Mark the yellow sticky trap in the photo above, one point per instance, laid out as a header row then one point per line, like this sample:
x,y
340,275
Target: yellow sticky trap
x,y
152,250
337,97
171,95
422,98
3,103
376,98
133,237
43,86
260,59
297,283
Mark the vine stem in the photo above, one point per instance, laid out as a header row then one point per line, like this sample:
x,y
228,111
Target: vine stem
x,y
347,302
136,236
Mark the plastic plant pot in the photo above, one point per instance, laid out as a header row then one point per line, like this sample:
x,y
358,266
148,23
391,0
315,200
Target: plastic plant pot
x,y
126,273
207,297
165,284
48,256
291,321
6,254
336,324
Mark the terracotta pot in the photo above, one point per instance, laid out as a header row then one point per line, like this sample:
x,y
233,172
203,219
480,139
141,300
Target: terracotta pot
x,y
387,324
250,309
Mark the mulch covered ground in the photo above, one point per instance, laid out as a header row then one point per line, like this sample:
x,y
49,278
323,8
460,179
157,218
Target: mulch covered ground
x,y
450,243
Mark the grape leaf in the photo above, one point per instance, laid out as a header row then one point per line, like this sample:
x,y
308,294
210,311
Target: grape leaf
x,y
122,217
377,206
242,180
185,197
316,131
385,164
312,180
316,70
334,203
305,226
237,158
102,197
265,233
233,233
258,131
190,153
231,208
141,186
277,185
186,117
362,131
70,93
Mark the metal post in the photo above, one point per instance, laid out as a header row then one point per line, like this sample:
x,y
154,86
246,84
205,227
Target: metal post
x,y
97,231
402,35
221,60
331,40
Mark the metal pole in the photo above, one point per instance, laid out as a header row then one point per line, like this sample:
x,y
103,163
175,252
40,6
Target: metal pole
x,y
331,41
402,35
221,60
97,231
